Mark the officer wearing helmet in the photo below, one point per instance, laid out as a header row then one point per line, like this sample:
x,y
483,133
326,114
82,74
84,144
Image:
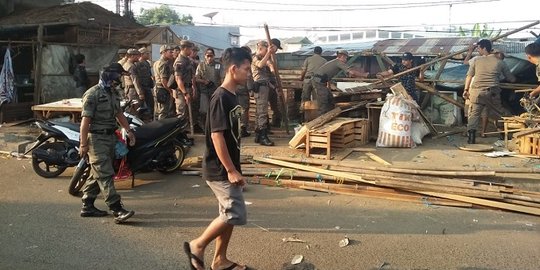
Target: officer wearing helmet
x,y
100,113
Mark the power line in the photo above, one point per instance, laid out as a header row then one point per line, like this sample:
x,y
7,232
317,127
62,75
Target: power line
x,y
418,5
395,5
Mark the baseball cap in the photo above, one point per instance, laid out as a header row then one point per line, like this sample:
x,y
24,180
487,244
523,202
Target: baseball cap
x,y
186,43
344,52
143,50
277,42
115,67
133,51
164,48
407,56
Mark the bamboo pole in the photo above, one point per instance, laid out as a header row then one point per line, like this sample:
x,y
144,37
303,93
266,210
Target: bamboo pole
x,y
435,92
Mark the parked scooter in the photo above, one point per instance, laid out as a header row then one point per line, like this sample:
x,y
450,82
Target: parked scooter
x,y
57,146
158,147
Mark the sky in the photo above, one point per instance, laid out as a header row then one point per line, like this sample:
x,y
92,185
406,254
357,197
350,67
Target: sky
x,y
316,17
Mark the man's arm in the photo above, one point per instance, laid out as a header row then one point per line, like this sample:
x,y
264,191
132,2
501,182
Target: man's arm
x,y
304,70
468,80
83,144
222,152
535,92
124,123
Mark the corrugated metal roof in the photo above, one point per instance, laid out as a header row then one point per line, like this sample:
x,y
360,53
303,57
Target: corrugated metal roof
x,y
439,46
423,46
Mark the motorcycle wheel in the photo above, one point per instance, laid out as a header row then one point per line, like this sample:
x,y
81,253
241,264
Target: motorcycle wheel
x,y
79,179
42,168
179,155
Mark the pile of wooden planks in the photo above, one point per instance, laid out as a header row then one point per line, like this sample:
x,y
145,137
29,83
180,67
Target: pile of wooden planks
x,y
442,187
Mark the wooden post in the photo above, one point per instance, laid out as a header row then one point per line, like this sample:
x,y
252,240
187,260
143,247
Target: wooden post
x,y
37,67
279,87
434,91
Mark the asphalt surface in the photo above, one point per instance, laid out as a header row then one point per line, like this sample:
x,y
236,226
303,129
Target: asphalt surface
x,y
40,228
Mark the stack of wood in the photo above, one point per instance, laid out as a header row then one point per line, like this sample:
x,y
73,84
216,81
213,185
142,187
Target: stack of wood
x,y
439,186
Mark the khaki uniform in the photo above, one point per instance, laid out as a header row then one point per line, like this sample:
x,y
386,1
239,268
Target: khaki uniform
x,y
143,71
101,106
163,100
211,72
243,94
311,64
485,90
261,88
131,83
183,67
321,76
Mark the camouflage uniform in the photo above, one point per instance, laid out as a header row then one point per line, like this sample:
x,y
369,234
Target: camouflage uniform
x,y
261,78
325,73
101,106
163,99
211,72
144,73
311,64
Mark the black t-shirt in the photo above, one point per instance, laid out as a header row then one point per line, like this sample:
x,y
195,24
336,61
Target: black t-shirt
x,y
223,115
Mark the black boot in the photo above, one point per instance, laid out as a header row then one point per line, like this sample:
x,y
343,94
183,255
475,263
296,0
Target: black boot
x,y
185,140
263,138
257,136
244,132
120,214
471,136
276,122
89,210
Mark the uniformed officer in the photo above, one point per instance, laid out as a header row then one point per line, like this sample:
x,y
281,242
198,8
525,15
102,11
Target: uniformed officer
x,y
132,89
208,77
100,111
261,71
243,93
144,75
183,73
311,64
485,90
325,73
162,93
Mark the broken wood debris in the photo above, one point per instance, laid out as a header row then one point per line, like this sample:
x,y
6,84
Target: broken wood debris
x,y
441,187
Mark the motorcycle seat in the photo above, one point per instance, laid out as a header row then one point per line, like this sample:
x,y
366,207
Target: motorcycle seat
x,y
155,129
69,125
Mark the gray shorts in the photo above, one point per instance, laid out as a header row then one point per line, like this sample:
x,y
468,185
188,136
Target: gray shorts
x,y
232,208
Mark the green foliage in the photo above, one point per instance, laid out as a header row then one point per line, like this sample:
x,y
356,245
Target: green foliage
x,y
163,15
479,31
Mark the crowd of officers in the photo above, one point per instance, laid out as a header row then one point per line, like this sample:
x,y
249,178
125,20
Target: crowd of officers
x,y
179,85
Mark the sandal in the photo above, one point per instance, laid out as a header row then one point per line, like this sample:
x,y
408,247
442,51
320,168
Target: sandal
x,y
191,256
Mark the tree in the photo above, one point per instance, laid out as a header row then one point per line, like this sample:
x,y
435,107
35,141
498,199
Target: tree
x,y
163,15
480,32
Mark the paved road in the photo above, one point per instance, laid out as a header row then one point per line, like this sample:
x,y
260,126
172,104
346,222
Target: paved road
x,y
40,228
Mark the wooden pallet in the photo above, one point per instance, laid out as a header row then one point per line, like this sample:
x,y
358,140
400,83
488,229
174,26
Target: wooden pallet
x,y
530,144
338,134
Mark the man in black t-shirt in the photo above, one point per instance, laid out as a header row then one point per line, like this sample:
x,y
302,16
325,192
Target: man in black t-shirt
x,y
221,164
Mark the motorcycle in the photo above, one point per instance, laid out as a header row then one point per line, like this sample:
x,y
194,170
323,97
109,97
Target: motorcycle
x,y
57,146
159,145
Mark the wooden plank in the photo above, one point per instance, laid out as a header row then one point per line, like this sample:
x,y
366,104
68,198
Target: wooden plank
x,y
351,176
300,136
484,202
378,159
